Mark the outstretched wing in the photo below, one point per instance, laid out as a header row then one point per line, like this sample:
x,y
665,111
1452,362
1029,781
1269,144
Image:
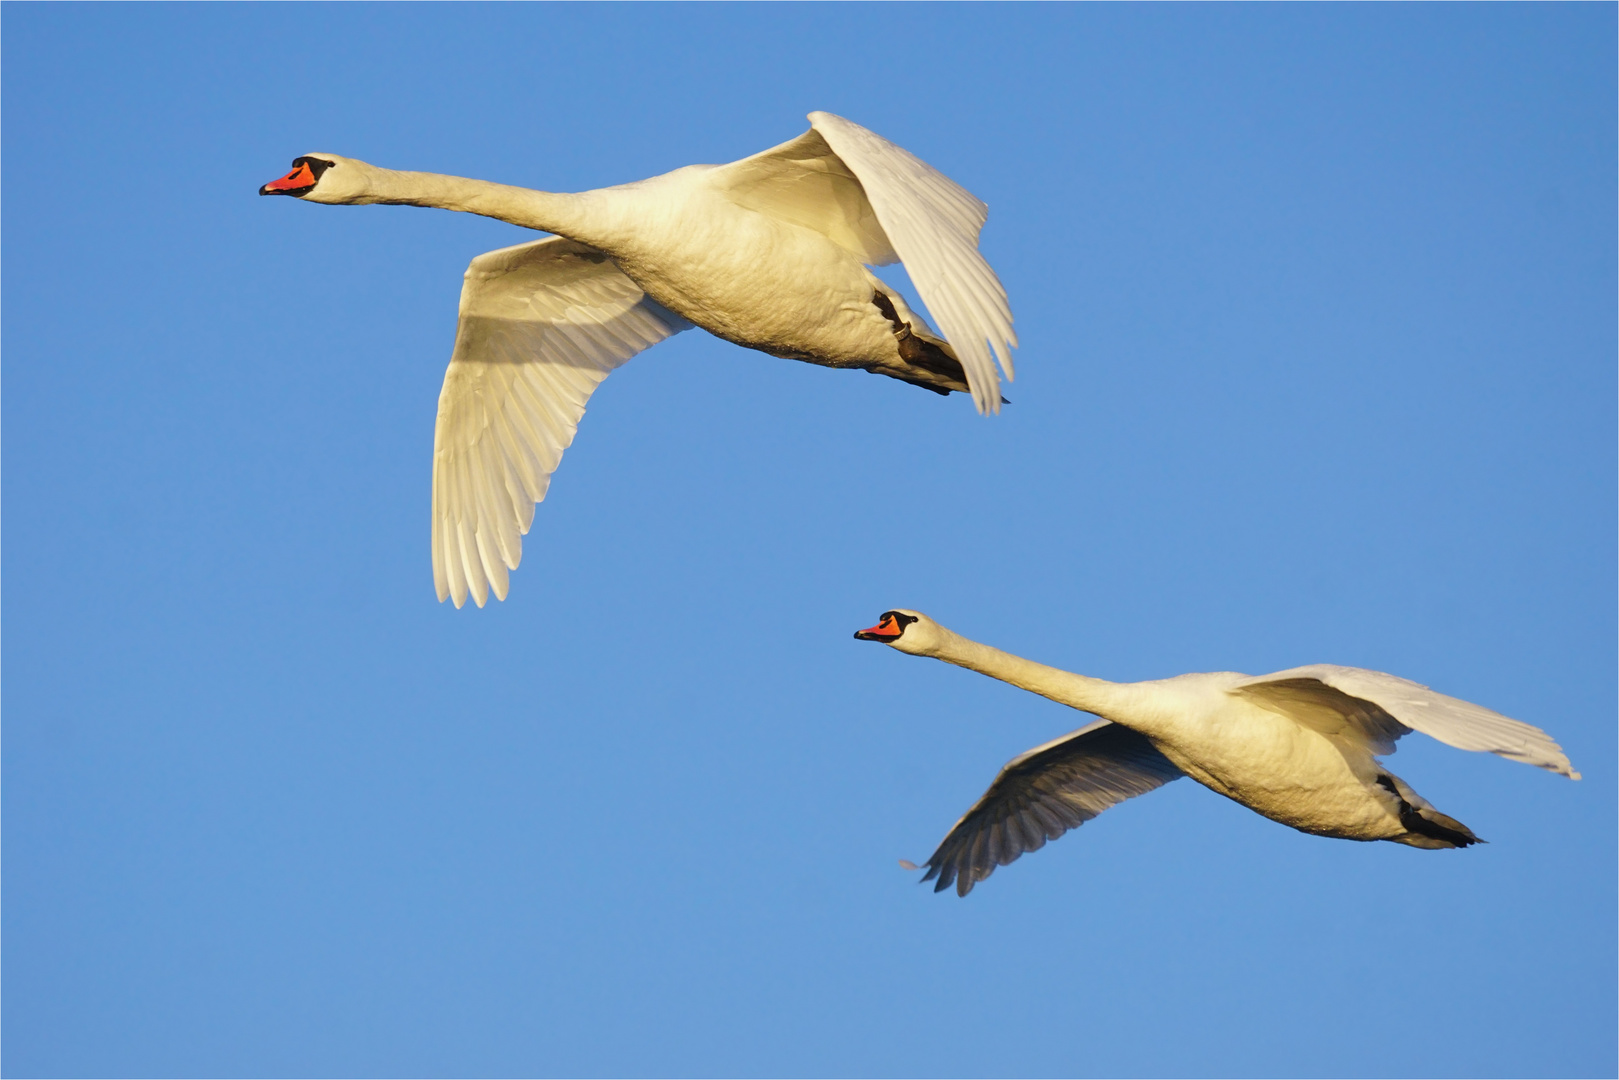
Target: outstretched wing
x,y
541,326
883,203
933,223
1042,794
1377,709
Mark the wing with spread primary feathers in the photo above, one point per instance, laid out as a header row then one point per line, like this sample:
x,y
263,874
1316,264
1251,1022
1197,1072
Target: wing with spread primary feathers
x,y
1042,794
933,223
541,325
883,204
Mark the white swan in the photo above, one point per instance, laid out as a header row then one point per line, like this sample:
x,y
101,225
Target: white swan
x,y
769,252
1299,747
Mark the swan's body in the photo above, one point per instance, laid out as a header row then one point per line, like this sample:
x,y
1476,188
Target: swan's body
x,y
770,252
1298,746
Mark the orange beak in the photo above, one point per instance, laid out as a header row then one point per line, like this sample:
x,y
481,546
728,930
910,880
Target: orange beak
x,y
885,631
298,179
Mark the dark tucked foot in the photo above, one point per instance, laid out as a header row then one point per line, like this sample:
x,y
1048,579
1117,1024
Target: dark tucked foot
x,y
1430,823
921,354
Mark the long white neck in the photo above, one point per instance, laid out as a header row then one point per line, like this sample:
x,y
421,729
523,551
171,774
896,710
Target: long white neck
x,y
1126,703
573,216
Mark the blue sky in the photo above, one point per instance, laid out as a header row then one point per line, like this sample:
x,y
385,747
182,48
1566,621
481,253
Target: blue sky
x,y
1317,317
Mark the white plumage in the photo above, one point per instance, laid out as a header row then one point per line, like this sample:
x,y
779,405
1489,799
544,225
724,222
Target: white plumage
x,y
1298,746
769,252
541,326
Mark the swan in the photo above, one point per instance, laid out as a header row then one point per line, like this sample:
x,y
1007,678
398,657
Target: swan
x,y
769,252
1298,746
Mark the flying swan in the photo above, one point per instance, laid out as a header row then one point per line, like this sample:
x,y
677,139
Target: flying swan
x,y
1299,746
769,252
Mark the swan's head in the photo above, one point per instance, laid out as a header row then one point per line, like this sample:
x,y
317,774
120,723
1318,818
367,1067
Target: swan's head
x,y
324,178
907,631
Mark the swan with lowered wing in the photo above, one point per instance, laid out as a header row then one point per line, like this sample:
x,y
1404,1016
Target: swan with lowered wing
x,y
770,252
1299,746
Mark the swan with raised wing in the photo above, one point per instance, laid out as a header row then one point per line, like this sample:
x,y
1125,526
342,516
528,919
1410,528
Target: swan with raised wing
x,y
770,252
1298,746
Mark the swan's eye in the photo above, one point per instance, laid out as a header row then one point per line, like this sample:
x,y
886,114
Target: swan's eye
x,y
895,622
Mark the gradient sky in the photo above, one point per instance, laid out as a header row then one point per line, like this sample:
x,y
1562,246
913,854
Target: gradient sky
x,y
1318,323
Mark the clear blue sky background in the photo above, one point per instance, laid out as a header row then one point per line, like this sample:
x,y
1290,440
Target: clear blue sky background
x,y
1317,310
